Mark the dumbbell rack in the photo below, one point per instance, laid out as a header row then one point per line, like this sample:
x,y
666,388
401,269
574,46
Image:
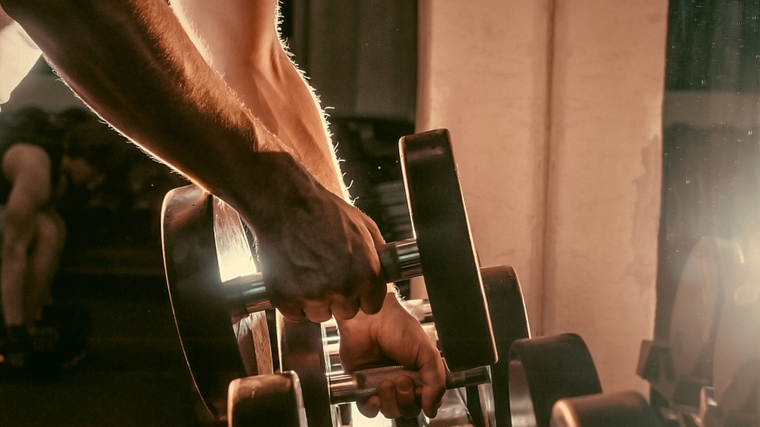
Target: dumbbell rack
x,y
242,360
196,225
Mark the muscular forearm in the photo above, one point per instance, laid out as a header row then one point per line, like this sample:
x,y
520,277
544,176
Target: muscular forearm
x,y
133,64
241,41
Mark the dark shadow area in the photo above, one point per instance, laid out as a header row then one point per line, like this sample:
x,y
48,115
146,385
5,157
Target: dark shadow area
x,y
134,373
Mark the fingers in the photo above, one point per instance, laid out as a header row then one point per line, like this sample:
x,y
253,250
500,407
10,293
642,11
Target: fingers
x,y
393,400
372,295
432,400
292,312
321,311
434,377
408,406
340,307
336,305
371,407
345,308
318,312
371,300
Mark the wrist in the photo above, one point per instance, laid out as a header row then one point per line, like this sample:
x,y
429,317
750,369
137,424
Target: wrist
x,y
268,189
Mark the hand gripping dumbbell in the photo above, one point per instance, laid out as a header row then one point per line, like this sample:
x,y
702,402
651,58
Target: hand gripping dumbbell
x,y
268,400
442,251
320,384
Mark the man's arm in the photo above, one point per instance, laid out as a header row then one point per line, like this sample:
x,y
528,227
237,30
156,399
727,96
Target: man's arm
x,y
17,55
134,65
239,38
28,169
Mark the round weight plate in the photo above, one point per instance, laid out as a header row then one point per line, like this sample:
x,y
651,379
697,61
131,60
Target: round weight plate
x,y
272,400
510,323
447,255
697,305
737,340
625,409
545,369
302,350
199,305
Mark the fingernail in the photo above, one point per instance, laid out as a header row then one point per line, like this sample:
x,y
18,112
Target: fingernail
x,y
405,386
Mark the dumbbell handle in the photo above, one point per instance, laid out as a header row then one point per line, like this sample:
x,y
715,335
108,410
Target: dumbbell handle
x,y
360,385
398,260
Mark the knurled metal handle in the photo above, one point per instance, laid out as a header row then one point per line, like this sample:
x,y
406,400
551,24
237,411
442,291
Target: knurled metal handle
x,y
361,385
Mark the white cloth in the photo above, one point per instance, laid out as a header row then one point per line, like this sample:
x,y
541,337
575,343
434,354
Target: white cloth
x,y
18,54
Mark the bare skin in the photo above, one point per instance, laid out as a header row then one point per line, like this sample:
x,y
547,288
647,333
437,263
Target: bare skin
x,y
240,40
394,336
33,235
261,147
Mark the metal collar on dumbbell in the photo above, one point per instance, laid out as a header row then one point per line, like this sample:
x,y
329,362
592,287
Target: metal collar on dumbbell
x,y
400,260
248,294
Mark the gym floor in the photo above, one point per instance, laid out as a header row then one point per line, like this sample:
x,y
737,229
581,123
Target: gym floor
x,y
135,372
134,375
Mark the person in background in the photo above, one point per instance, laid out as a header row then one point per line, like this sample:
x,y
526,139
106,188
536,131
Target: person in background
x,y
40,156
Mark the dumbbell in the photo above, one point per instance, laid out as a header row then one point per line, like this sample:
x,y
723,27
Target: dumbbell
x,y
544,370
712,266
318,386
442,251
622,409
553,383
503,295
250,398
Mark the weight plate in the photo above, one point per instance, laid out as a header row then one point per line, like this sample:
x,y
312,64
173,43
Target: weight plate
x,y
447,255
696,308
624,409
545,369
302,350
737,340
510,323
272,400
198,303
